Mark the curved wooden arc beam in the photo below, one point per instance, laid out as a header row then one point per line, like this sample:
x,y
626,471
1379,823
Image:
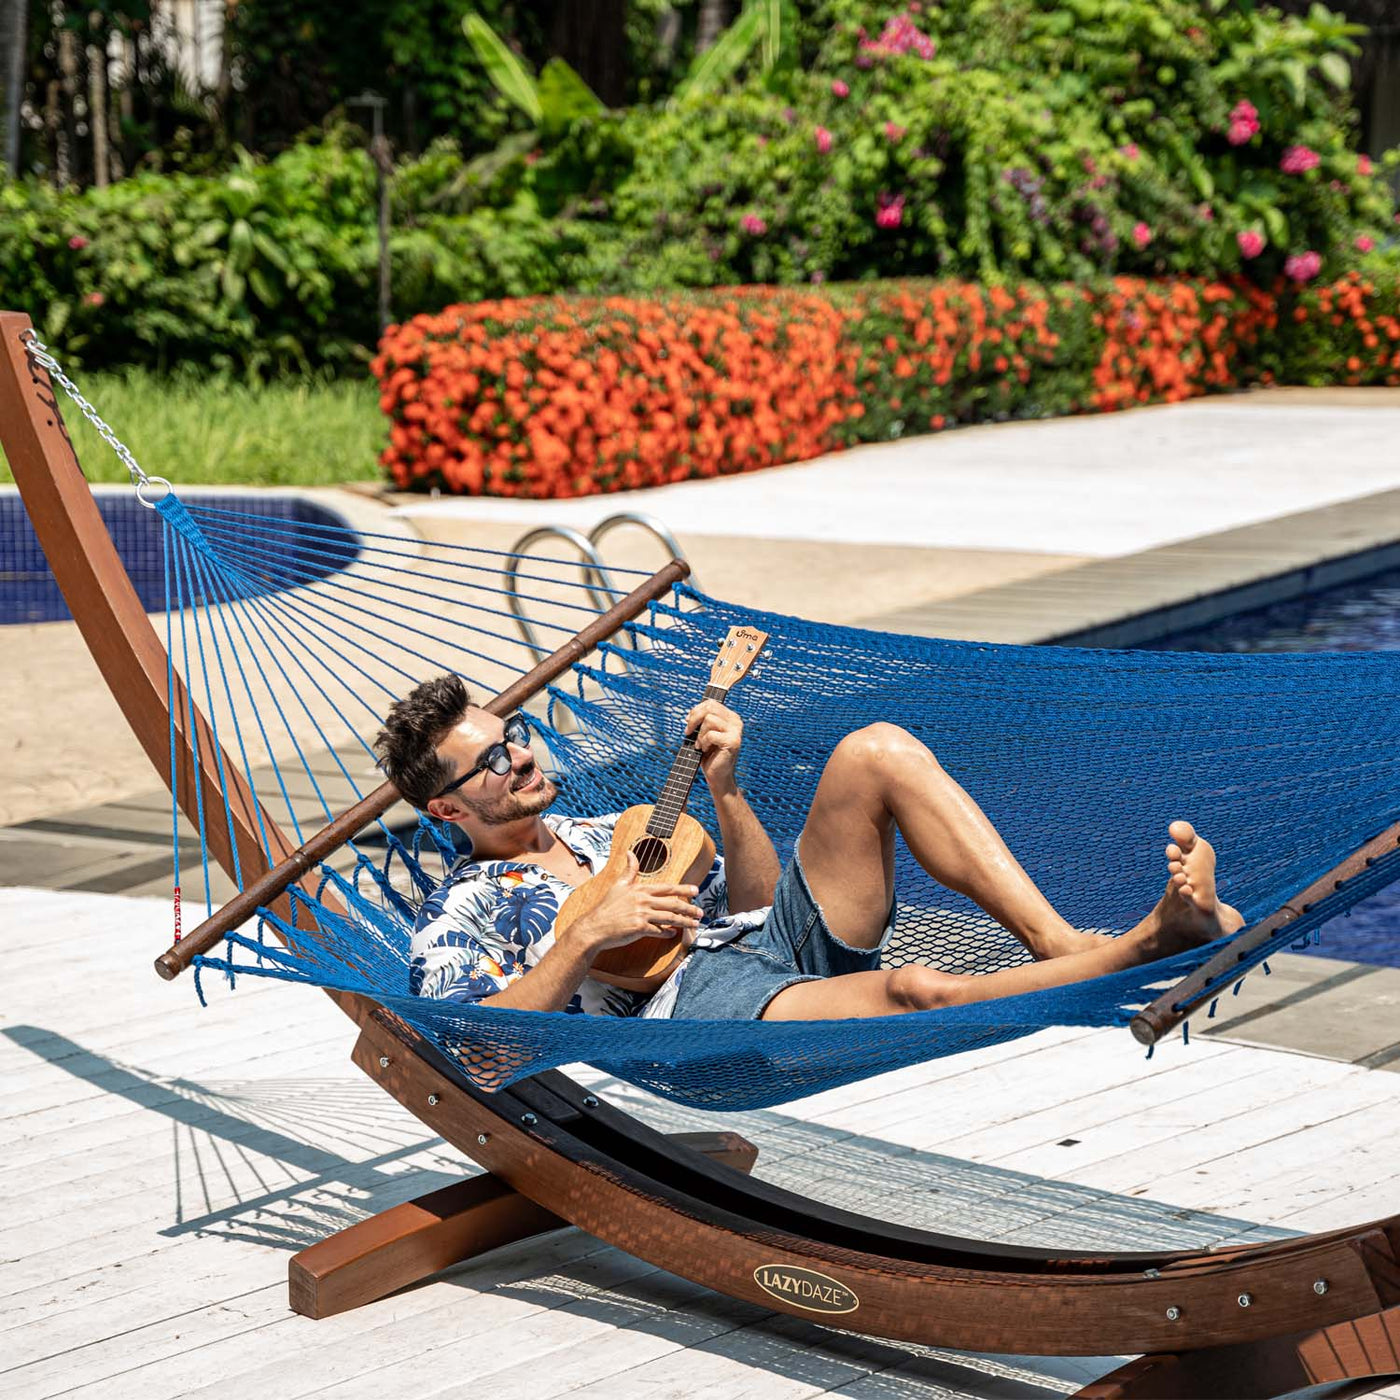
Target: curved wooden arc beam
x,y
602,1170
610,1175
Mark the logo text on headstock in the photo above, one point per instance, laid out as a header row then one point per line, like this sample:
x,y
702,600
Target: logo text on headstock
x,y
737,653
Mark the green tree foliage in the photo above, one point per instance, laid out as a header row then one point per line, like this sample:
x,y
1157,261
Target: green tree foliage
x,y
1052,138
303,58
996,139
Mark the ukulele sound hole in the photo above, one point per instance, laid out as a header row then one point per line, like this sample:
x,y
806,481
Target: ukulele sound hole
x,y
651,853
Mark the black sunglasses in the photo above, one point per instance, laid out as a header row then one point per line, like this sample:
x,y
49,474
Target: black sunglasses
x,y
497,757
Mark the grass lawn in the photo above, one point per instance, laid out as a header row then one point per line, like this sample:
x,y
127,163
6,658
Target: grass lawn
x,y
209,430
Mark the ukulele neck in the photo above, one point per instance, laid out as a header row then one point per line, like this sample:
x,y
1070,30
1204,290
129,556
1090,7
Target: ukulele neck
x,y
680,780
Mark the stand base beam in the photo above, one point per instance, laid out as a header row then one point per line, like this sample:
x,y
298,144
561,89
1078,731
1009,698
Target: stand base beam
x,y
413,1241
1366,1349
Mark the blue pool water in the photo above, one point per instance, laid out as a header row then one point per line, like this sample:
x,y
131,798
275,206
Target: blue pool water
x,y
1363,616
28,592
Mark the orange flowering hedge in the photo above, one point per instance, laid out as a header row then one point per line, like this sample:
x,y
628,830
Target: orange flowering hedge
x,y
572,396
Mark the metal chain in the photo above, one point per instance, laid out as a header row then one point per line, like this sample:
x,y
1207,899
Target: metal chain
x,y
41,355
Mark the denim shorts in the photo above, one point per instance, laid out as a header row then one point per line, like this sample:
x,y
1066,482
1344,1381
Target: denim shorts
x,y
735,981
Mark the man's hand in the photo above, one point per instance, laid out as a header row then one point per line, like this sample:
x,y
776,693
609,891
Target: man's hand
x,y
718,732
632,910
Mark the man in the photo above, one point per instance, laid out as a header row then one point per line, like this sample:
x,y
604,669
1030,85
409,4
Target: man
x,y
800,944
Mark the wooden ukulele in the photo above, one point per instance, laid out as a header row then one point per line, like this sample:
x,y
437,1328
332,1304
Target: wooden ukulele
x,y
671,847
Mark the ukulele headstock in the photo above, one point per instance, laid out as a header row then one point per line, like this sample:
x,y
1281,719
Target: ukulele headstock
x,y
737,653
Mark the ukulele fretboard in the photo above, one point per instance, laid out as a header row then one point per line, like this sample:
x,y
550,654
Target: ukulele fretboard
x,y
679,781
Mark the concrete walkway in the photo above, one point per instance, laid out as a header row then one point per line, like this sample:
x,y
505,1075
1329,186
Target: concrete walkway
x,y
1092,487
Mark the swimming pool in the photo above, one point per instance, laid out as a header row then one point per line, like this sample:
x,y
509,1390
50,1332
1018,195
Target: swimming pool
x,y
29,593
1359,616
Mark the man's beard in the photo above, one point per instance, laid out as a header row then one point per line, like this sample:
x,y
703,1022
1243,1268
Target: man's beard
x,y
513,805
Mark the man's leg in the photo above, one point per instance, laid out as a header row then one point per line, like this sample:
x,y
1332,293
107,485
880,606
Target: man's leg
x,y
880,778
1188,913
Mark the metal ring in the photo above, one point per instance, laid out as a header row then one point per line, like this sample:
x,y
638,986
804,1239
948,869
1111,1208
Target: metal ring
x,y
153,481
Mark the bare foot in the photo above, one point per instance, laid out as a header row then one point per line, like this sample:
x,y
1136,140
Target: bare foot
x,y
1191,912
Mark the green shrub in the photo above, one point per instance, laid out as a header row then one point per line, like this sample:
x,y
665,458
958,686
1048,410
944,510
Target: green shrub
x,y
1003,138
992,140
265,267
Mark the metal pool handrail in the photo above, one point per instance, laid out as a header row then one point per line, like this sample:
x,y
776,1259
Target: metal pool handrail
x,y
595,571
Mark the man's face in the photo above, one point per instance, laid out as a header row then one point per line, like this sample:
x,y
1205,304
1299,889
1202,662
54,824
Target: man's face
x,y
493,799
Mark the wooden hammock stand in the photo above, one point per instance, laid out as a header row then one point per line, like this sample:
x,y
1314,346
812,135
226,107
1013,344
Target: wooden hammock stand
x,y
1251,1321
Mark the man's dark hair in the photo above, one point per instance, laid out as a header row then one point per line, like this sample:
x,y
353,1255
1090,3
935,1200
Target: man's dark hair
x,y
407,745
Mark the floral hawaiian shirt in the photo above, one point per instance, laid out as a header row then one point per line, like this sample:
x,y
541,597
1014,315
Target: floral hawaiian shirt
x,y
491,921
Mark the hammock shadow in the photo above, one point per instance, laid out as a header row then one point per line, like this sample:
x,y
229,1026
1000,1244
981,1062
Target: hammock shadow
x,y
270,1162
283,1163
929,1190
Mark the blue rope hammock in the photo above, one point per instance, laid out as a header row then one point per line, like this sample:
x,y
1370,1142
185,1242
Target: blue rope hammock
x,y
295,640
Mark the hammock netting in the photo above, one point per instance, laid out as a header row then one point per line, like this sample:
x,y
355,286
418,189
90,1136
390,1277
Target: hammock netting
x,y
296,639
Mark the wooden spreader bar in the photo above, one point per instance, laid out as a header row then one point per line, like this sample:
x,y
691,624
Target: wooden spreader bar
x,y
1174,1006
1320,1307
270,886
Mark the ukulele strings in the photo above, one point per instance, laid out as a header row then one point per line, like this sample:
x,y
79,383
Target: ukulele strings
x,y
680,779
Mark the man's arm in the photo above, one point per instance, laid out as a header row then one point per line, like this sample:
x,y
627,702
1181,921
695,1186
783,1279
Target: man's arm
x,y
751,865
552,982
750,862
628,911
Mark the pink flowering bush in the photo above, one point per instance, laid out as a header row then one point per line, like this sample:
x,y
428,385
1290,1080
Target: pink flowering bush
x,y
1251,242
1303,267
899,36
951,140
889,211
1297,159
1244,122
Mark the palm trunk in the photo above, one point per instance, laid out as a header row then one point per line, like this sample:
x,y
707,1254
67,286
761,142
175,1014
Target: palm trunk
x,y
14,45
66,165
98,116
714,16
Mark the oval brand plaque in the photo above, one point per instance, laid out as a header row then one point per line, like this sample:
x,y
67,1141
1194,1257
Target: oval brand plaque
x,y
805,1288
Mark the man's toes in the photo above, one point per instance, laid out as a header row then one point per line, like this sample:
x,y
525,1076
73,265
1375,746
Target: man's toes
x,y
1178,880
1174,852
1183,833
1175,866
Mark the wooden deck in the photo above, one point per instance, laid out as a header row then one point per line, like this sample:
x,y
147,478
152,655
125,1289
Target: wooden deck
x,y
160,1163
